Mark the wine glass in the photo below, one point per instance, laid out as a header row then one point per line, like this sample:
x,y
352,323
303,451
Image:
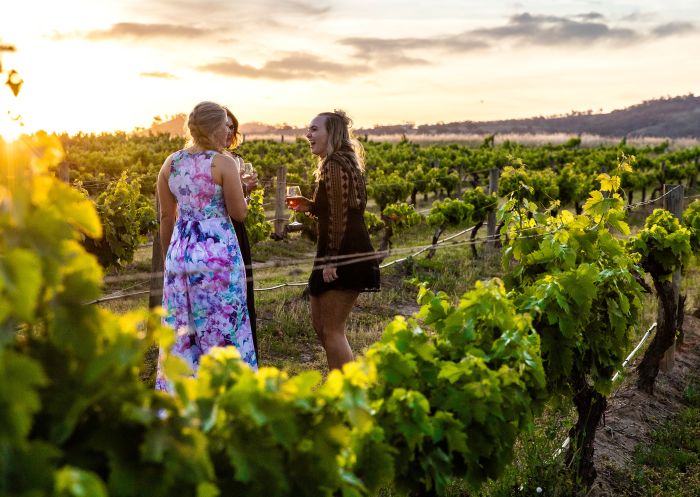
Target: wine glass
x,y
247,174
247,170
293,196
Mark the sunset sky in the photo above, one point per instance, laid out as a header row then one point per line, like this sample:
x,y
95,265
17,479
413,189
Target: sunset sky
x,y
105,65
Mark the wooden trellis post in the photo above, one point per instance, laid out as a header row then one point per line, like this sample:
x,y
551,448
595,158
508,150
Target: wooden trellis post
x,y
64,172
673,202
491,226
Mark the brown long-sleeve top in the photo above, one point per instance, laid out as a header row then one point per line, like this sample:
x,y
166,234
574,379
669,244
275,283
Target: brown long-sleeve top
x,y
345,189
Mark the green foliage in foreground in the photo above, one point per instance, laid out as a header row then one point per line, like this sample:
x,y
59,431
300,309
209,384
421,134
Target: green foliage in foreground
x,y
74,415
451,402
429,403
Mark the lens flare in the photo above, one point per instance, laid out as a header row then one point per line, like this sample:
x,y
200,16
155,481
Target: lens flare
x,y
11,126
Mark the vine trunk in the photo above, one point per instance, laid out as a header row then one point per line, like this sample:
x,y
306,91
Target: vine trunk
x,y
590,406
648,369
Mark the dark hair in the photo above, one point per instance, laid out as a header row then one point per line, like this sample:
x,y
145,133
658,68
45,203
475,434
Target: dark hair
x,y
236,134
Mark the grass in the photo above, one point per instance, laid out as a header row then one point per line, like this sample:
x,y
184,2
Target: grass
x,y
285,336
292,247
690,285
669,464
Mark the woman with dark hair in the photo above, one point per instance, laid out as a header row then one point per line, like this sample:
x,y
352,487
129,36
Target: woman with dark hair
x,y
204,289
346,263
249,183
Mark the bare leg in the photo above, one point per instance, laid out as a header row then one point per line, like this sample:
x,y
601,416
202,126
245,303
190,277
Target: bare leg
x,y
316,319
329,312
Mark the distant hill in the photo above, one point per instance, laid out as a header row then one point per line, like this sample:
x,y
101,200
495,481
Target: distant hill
x,y
176,125
672,117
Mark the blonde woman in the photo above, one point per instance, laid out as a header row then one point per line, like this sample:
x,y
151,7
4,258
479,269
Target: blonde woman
x,y
204,288
345,262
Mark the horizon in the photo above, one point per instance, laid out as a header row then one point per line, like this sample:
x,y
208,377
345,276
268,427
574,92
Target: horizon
x,y
415,126
116,65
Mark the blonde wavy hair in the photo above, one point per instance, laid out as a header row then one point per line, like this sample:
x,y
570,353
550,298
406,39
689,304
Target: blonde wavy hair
x,y
202,123
341,139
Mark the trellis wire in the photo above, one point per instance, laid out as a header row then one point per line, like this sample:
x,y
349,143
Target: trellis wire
x,y
567,442
351,259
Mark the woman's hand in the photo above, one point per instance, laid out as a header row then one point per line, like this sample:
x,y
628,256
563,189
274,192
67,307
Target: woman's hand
x,y
250,180
329,274
299,204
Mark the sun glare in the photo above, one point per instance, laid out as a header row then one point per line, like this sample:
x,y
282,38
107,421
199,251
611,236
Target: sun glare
x,y
11,122
10,127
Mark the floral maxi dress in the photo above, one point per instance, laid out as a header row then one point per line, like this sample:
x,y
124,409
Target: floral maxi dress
x,y
204,287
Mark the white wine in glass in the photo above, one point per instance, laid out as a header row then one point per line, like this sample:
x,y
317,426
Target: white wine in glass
x,y
294,197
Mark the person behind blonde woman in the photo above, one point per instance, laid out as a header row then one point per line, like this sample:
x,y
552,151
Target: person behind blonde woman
x,y
249,184
204,288
345,263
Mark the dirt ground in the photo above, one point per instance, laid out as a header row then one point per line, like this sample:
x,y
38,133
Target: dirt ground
x,y
631,414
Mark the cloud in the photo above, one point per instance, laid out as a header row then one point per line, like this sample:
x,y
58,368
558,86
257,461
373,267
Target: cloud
x,y
387,52
531,29
638,16
303,7
137,30
158,75
372,54
522,29
590,16
58,36
291,66
672,28
370,45
227,13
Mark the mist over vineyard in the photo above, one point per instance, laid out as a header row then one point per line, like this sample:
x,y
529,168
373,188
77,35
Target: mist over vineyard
x,y
667,117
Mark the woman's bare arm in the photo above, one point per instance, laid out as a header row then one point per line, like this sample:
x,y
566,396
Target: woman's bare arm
x,y
227,169
167,205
